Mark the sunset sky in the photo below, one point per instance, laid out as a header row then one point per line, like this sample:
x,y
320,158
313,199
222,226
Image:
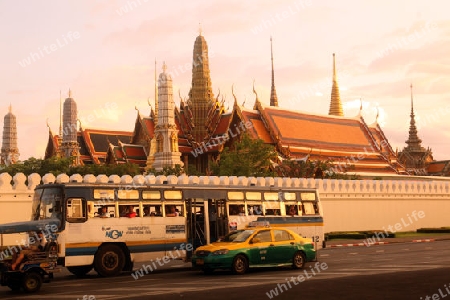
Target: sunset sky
x,y
105,52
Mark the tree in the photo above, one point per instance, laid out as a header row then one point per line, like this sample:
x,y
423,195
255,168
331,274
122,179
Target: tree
x,y
247,157
309,169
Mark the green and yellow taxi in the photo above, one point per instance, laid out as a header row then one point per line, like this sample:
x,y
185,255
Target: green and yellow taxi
x,y
252,247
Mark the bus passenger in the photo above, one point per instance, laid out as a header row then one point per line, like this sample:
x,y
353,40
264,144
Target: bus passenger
x,y
103,212
172,212
147,211
291,211
131,213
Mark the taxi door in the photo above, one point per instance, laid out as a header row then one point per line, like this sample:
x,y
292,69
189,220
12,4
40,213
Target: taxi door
x,y
283,248
259,249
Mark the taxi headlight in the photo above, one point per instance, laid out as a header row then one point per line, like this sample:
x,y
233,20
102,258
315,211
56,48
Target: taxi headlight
x,y
220,252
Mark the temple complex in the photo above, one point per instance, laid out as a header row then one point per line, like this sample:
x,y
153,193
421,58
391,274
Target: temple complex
x,y
197,131
9,152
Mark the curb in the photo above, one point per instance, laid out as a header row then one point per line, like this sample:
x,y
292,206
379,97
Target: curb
x,y
358,244
424,241
391,242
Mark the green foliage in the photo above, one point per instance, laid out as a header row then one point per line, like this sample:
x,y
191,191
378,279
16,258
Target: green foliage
x,y
311,169
248,157
166,171
58,166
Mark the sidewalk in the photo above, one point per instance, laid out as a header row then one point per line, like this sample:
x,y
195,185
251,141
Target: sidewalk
x,y
419,238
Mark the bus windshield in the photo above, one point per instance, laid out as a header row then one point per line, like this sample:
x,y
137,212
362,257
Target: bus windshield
x,y
47,204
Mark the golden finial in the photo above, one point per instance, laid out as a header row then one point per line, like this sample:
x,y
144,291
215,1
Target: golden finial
x,y
164,67
254,91
47,124
10,108
149,103
378,114
232,92
199,29
70,93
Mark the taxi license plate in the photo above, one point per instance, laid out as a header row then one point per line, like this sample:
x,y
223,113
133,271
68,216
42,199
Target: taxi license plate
x,y
199,261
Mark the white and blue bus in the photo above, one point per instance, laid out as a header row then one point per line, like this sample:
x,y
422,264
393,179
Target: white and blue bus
x,y
109,223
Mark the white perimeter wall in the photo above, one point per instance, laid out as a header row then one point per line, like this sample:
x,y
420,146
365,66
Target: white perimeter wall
x,y
348,205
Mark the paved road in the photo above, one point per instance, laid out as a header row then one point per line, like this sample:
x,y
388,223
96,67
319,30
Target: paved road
x,y
394,271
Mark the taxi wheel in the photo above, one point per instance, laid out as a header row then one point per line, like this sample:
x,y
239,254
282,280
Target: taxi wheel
x,y
240,264
298,262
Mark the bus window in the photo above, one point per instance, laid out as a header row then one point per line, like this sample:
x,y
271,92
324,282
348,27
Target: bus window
x,y
173,210
127,194
129,210
272,208
152,210
237,210
235,196
308,196
291,209
310,208
254,208
173,194
104,194
289,196
271,196
253,195
151,195
76,211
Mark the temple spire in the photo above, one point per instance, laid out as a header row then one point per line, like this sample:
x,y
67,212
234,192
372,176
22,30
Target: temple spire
x,y
60,118
156,96
335,104
273,92
414,142
9,153
201,97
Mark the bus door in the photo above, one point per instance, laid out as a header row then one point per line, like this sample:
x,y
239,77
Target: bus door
x,y
195,222
218,220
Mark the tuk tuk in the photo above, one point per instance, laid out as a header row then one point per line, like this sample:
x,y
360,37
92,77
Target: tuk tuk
x,y
37,266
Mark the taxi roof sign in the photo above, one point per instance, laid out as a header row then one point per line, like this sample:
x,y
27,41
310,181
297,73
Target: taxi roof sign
x,y
259,224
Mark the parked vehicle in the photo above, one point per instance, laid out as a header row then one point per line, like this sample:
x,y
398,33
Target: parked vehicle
x,y
36,268
254,247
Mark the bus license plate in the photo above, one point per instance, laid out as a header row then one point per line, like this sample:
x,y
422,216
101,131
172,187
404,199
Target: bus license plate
x,y
199,261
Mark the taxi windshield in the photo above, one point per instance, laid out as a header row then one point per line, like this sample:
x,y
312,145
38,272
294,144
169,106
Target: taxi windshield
x,y
243,236
231,236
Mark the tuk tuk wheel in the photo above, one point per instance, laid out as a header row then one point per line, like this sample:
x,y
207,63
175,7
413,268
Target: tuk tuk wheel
x,y
32,282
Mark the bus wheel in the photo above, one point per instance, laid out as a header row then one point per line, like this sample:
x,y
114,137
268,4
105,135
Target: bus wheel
x,y
240,264
298,262
109,260
32,282
80,271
